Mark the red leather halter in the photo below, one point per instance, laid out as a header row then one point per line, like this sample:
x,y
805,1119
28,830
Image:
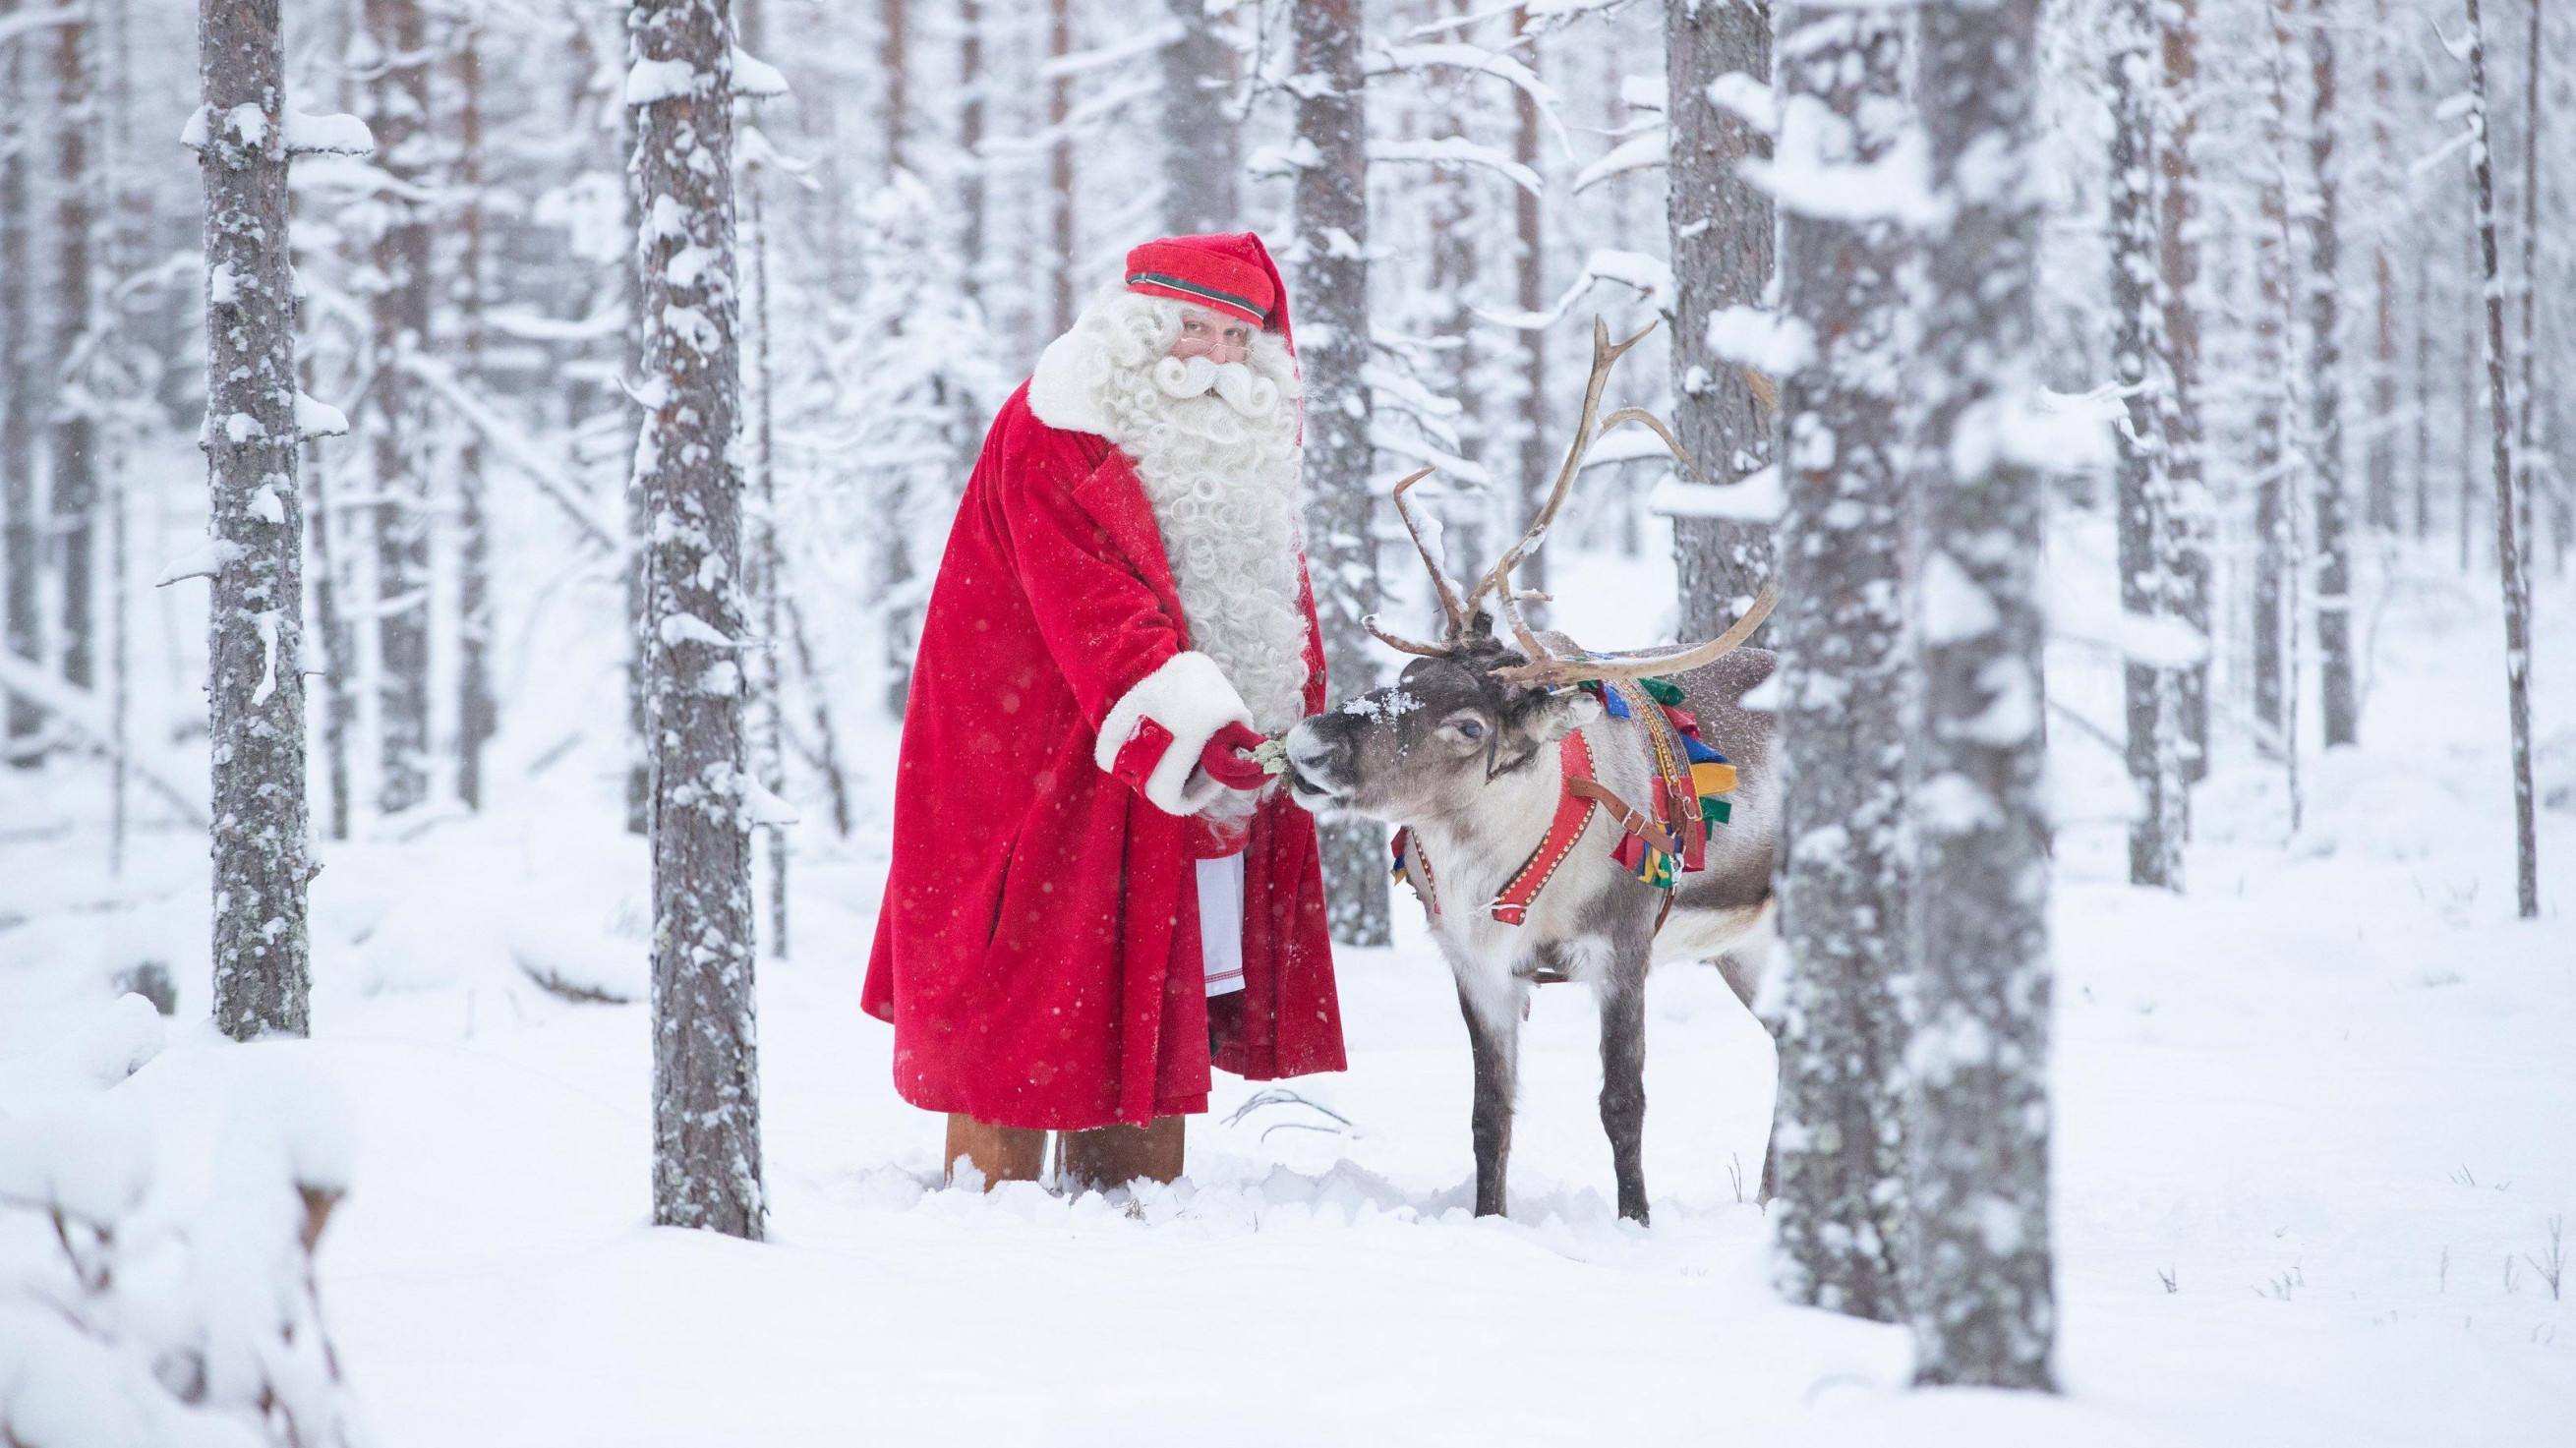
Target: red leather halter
x,y
1573,812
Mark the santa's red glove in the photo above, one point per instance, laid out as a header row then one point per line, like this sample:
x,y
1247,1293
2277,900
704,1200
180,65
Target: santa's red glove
x,y
1229,768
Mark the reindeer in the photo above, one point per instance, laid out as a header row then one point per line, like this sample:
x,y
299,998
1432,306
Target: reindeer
x,y
1511,851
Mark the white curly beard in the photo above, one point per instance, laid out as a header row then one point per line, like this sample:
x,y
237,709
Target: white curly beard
x,y
1225,489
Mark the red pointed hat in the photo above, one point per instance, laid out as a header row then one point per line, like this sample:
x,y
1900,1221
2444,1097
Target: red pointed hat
x,y
1226,271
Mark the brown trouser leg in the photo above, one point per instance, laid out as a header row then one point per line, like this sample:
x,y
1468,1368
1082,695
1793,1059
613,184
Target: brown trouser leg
x,y
1001,1153
1112,1156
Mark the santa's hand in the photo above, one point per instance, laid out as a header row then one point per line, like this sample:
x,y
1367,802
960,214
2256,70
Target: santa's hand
x,y
1227,759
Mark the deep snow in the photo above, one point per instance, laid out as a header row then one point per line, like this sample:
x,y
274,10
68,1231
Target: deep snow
x,y
2312,1122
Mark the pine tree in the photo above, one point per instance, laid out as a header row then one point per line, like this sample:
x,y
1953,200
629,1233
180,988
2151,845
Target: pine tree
x,y
2149,516
2513,516
1837,1211
71,455
1721,254
1979,1286
706,1083
255,616
2339,706
1200,145
1331,297
2186,442
397,99
19,401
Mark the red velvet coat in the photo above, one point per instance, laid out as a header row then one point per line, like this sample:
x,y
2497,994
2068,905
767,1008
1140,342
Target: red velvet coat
x,y
1038,945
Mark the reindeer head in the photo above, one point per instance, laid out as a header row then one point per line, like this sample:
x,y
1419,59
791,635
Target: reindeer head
x,y
1474,709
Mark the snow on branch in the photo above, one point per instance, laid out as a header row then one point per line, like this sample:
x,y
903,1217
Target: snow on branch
x,y
1646,151
1449,152
1454,55
1762,340
316,418
755,78
14,26
1648,275
1748,99
1110,57
82,713
551,477
1756,499
337,134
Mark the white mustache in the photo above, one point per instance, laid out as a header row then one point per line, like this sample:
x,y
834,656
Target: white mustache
x,y
1247,392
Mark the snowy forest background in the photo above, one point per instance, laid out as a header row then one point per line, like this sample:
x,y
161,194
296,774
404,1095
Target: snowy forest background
x,y
2303,286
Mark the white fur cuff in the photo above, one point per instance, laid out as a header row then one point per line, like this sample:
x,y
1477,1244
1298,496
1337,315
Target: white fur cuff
x,y
1190,697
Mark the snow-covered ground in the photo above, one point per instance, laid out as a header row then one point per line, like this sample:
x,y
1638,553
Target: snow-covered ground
x,y
2313,1125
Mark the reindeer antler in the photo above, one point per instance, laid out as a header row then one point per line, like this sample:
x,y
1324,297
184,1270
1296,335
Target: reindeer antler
x,y
1544,666
1451,607
1644,664
1586,432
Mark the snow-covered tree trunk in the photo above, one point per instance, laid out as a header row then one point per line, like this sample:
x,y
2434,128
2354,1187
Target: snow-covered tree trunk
x,y
1721,246
2379,466
2339,706
398,115
476,710
2178,254
71,457
2270,455
1060,170
706,1083
19,617
971,100
2148,515
255,616
2513,518
1200,145
1537,469
1332,302
1837,1210
769,756
339,705
1979,1287
638,573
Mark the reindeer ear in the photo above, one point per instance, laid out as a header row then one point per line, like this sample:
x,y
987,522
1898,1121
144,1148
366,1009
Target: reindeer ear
x,y
1557,713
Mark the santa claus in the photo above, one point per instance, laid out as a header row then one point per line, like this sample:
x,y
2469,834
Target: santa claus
x,y
1097,887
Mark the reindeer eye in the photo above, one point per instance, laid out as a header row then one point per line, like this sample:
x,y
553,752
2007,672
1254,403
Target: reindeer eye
x,y
1470,729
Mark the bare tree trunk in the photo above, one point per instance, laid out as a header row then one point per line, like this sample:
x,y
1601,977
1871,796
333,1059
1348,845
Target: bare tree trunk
x,y
476,711
706,1082
2513,520
970,141
639,560
1333,303
2178,252
2424,393
768,755
1537,469
2380,451
1980,1286
1201,150
2527,442
896,17
2147,509
255,624
1060,167
895,568
1721,252
123,212
1838,1209
72,464
398,114
338,704
19,402
2339,711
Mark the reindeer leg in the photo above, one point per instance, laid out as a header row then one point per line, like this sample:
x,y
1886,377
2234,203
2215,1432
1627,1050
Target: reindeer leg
x,y
1496,1047
1623,1077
